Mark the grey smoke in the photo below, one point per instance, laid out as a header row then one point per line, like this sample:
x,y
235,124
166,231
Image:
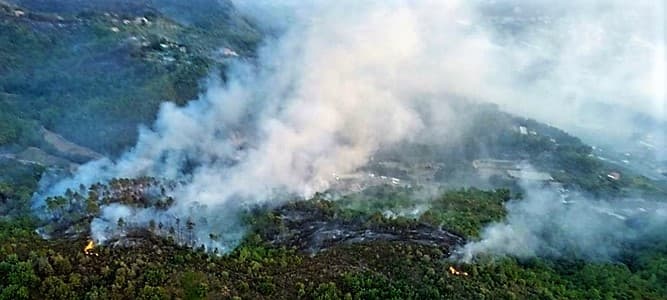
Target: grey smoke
x,y
593,68
547,223
339,80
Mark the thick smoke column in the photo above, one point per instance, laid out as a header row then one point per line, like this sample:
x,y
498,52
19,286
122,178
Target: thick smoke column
x,y
339,80
321,99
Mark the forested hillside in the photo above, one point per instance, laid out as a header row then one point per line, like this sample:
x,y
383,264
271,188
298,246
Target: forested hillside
x,y
78,78
94,72
156,268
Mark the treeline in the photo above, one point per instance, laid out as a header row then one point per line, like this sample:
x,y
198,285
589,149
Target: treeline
x,y
157,268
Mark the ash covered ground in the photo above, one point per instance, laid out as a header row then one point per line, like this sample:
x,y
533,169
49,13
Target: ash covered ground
x,y
377,150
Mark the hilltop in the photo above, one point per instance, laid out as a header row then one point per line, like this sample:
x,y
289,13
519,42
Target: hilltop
x,y
78,78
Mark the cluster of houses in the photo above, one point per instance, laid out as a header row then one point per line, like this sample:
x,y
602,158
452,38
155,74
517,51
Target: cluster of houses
x,y
509,169
358,181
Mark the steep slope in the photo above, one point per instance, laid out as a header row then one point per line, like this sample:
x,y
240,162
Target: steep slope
x,y
93,72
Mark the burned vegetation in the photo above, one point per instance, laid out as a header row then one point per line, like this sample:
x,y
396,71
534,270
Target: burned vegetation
x,y
70,215
318,225
315,249
307,226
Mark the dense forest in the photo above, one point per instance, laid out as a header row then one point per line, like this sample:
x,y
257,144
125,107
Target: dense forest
x,y
158,268
76,80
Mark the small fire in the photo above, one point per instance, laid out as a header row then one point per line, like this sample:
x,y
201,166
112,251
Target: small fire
x,y
454,271
89,247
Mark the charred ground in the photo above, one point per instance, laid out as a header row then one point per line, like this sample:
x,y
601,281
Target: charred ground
x,y
389,239
277,260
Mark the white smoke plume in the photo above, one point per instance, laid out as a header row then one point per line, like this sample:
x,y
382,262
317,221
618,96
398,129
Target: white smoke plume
x,y
338,80
548,223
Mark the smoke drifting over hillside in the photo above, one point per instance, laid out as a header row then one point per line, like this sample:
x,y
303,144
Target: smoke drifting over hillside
x,y
338,80
544,223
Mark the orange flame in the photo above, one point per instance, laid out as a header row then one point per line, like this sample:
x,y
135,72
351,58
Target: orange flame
x,y
89,247
454,271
